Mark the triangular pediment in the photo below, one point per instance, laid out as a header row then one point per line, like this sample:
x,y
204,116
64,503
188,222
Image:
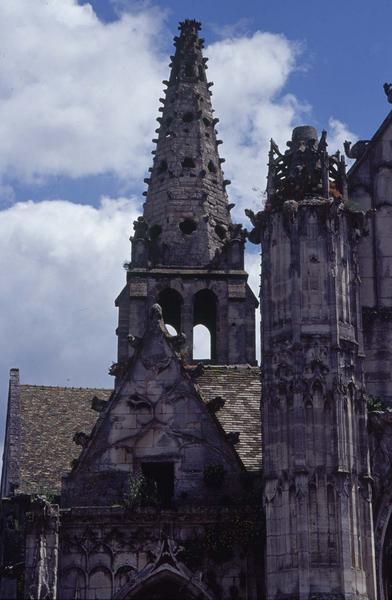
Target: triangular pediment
x,y
156,419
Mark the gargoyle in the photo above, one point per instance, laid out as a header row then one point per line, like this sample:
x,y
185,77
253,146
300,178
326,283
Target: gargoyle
x,y
177,341
81,439
134,341
233,437
118,369
357,150
140,227
388,91
215,404
254,236
194,371
98,404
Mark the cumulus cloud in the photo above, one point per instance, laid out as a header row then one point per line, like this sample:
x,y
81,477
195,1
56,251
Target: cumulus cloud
x,y
81,98
77,96
338,133
249,73
62,264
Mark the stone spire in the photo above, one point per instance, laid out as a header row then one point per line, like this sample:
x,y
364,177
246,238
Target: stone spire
x,y
187,255
186,208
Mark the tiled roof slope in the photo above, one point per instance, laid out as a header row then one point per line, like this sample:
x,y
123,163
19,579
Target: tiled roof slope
x,y
50,416
240,387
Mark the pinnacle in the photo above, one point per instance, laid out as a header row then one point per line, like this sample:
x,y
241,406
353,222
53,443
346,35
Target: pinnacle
x,y
186,180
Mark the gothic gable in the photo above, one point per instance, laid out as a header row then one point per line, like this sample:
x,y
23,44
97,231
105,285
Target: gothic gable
x,y
155,425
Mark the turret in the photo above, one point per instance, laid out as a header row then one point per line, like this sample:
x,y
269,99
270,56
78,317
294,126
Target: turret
x,y
317,492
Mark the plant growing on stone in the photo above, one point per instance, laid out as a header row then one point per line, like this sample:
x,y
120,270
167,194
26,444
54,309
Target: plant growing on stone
x,y
141,491
377,404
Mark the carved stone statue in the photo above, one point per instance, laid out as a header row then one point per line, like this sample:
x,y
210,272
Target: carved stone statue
x,y
140,227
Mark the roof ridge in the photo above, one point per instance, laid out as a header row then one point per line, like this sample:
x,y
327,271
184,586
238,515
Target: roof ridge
x,y
63,387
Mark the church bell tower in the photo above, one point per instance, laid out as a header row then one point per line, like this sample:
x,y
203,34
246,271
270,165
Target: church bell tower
x,y
187,254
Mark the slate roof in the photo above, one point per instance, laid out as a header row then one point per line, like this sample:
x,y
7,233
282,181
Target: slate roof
x,y
50,416
240,387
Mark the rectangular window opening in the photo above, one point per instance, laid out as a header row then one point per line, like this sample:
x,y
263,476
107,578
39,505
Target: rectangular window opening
x,y
162,473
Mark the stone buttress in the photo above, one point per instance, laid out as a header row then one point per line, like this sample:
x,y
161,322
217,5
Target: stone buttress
x,y
186,252
317,492
370,187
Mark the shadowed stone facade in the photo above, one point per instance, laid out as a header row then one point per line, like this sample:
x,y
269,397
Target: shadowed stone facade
x,y
317,494
174,485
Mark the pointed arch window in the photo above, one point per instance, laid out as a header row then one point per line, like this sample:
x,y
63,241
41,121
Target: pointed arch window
x,y
201,343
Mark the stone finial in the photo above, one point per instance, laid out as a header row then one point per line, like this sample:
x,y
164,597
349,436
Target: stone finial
x,y
189,25
305,170
388,91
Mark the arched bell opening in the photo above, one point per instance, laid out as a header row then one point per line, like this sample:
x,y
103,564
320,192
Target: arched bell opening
x,y
205,313
201,343
171,302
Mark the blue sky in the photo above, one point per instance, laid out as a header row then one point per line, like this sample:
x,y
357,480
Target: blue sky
x,y
79,89
344,58
346,47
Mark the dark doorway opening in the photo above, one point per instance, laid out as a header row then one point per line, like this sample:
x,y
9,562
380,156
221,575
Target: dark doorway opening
x,y
162,474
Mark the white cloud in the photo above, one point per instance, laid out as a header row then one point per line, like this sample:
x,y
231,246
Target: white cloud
x,y
77,96
62,264
249,74
252,265
338,133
